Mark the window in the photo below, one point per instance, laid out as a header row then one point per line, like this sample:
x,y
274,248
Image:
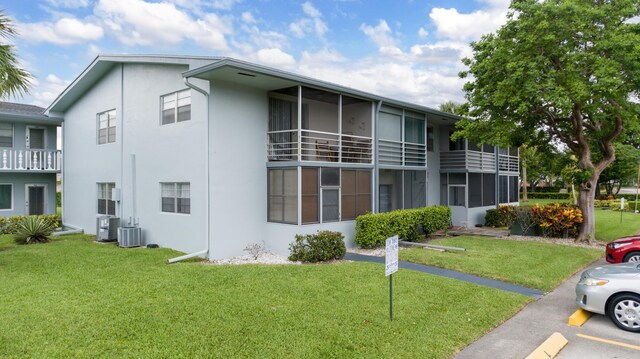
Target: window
x,y
356,193
176,197
283,195
6,135
176,107
310,197
107,127
6,196
106,204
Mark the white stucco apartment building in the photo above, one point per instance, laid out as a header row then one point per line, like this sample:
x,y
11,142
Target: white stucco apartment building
x,y
211,154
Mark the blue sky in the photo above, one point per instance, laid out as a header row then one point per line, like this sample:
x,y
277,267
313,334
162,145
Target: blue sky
x,y
405,49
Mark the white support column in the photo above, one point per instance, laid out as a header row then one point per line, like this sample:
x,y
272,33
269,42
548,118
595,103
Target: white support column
x,y
299,123
339,159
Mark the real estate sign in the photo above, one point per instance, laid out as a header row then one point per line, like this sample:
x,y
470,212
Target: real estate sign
x,y
391,258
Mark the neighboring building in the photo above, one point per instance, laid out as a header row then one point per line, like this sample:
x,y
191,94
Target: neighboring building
x,y
29,160
217,153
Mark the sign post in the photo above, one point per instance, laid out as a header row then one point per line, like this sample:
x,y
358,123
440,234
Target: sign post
x,y
391,266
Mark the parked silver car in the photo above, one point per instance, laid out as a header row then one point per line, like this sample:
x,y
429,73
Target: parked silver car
x,y
612,290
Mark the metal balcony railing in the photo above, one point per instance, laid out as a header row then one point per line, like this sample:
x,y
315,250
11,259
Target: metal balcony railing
x,y
318,146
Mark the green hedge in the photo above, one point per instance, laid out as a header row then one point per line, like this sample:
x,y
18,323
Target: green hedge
x,y
562,196
373,229
543,189
10,225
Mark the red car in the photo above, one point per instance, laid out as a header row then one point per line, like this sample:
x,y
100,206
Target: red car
x,y
625,249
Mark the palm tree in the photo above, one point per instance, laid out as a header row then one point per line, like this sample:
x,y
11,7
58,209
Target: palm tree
x,y
14,81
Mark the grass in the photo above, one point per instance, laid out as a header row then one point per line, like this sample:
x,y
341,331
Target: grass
x,y
77,298
608,224
531,264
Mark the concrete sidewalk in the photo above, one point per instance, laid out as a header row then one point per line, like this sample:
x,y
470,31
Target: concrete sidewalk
x,y
524,332
487,282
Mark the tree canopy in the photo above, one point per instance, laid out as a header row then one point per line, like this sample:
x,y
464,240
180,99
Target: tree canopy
x,y
14,81
559,71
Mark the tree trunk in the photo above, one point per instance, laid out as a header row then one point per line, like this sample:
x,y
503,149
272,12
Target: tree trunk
x,y
585,202
524,183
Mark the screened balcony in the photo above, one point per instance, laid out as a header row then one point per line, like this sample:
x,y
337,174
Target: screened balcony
x,y
321,127
462,155
402,137
30,160
508,159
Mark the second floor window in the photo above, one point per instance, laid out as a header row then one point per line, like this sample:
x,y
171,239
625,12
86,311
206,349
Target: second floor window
x,y
107,127
176,107
6,135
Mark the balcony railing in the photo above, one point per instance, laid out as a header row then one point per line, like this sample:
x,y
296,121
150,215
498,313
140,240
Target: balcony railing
x,y
507,163
468,160
318,146
402,153
30,160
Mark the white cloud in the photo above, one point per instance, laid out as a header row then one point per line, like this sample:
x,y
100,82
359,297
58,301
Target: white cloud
x,y
265,39
44,92
423,33
275,57
248,17
137,22
380,34
450,24
65,31
69,3
224,4
313,23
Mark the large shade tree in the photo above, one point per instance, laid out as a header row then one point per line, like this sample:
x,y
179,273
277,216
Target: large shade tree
x,y
14,81
565,70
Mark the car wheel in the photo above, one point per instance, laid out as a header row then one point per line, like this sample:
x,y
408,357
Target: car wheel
x,y
632,257
624,311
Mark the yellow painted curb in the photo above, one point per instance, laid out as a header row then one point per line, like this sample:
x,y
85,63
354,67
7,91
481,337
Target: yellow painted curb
x,y
550,348
579,317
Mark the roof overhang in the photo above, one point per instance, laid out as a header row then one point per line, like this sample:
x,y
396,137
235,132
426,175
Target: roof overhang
x,y
32,119
245,73
102,64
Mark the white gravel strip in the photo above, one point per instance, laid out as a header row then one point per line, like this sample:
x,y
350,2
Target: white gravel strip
x,y
263,258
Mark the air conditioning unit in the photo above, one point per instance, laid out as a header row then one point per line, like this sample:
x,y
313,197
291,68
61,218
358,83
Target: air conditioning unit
x,y
107,228
129,237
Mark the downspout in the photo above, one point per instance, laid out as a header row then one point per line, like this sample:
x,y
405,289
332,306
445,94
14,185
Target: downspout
x,y
376,172
208,174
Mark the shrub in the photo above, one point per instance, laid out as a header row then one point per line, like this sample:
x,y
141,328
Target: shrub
x,y
558,220
494,218
58,199
320,247
33,229
373,229
613,204
10,225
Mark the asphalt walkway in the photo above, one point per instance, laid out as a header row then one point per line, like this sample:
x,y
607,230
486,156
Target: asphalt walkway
x,y
486,282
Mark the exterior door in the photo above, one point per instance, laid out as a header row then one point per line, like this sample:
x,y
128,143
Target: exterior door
x,y
35,138
457,203
35,198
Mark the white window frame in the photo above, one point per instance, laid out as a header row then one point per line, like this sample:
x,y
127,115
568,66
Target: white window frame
x,y
109,194
176,195
12,197
176,104
108,139
13,134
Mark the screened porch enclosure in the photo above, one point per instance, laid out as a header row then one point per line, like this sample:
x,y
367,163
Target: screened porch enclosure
x,y
398,189
307,124
402,137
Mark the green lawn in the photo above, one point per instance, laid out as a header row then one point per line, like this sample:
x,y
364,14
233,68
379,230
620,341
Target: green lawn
x,y
532,264
77,298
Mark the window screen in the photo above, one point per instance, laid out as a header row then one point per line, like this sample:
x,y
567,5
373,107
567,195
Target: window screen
x,y
283,195
106,204
475,190
6,135
310,196
488,189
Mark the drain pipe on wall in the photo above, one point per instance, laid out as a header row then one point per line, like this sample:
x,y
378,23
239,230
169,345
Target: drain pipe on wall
x,y
208,208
